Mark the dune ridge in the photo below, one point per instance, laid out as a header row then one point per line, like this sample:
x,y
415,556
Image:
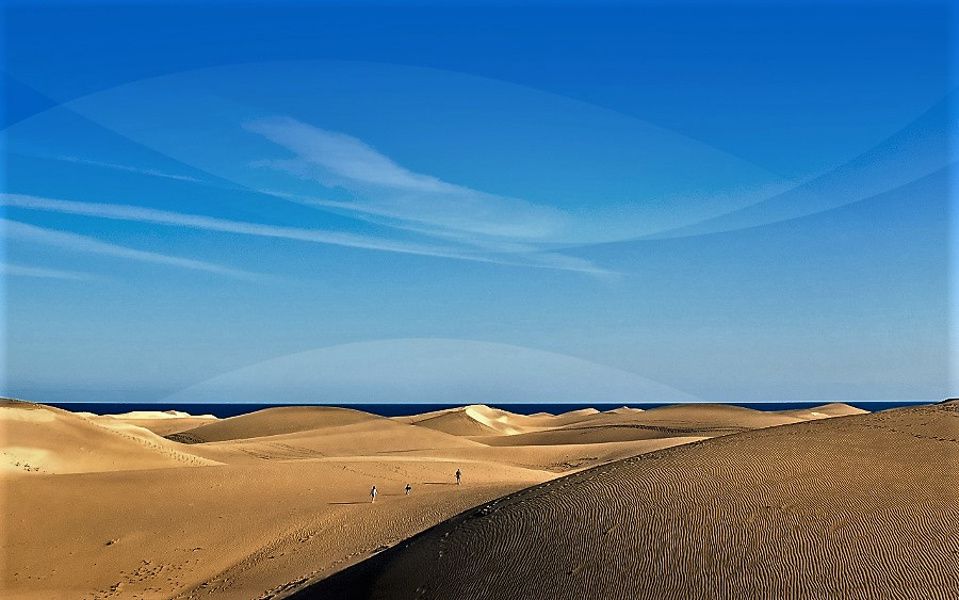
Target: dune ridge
x,y
863,506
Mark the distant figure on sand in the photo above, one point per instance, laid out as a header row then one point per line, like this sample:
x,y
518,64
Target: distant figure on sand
x,y
373,494
409,489
459,475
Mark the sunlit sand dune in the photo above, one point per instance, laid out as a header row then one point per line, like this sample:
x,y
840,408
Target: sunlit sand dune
x,y
275,421
705,417
627,424
373,437
265,504
162,423
826,411
272,510
39,439
572,416
858,507
480,420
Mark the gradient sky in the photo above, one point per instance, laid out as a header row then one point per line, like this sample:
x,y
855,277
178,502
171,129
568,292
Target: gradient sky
x,y
632,202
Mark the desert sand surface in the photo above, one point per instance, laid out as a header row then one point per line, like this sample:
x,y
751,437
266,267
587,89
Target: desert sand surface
x,y
163,423
824,412
265,504
858,506
44,440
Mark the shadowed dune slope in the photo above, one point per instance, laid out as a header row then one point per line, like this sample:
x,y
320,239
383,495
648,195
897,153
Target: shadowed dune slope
x,y
863,506
274,421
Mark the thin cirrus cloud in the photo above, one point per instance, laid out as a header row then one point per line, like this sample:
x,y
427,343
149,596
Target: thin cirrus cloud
x,y
127,168
24,232
15,270
396,194
149,215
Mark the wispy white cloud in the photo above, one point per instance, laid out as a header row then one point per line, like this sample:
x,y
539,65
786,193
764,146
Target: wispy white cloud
x,y
24,232
546,260
398,195
15,270
150,215
344,156
128,168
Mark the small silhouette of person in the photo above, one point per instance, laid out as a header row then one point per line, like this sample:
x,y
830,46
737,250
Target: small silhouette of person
x,y
459,476
409,489
373,494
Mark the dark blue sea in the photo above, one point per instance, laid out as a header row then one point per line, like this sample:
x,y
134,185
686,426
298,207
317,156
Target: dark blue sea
x,y
395,410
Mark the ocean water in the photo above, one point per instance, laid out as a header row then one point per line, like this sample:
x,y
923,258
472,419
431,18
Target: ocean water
x,y
395,410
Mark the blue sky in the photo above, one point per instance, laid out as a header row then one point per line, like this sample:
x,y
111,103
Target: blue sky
x,y
632,202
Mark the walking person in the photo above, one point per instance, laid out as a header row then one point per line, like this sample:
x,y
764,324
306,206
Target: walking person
x,y
409,489
459,475
373,494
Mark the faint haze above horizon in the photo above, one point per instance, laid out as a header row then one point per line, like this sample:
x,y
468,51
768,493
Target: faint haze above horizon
x,y
613,203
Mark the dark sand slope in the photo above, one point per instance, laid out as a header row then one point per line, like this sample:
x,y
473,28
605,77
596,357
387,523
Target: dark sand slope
x,y
863,506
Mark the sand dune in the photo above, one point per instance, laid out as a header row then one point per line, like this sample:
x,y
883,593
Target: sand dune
x,y
457,422
162,423
282,497
595,434
275,421
151,415
48,440
579,412
276,509
555,458
625,410
859,507
627,424
705,417
826,411
369,437
479,420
